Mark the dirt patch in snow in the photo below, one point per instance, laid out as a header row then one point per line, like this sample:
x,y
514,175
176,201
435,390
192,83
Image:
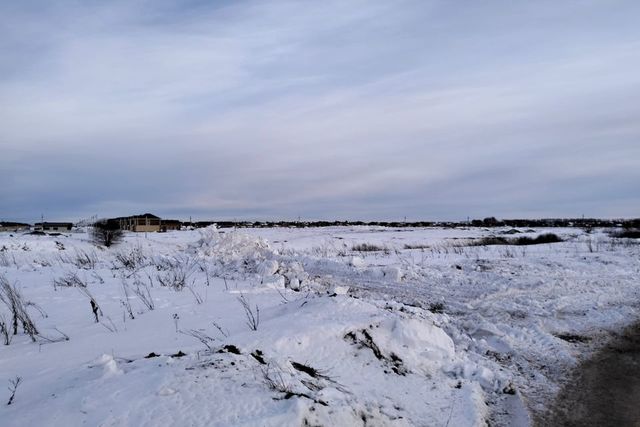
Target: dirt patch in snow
x,y
604,390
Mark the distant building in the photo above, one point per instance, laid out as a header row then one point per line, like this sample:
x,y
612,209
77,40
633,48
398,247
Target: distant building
x,y
13,226
146,223
139,223
53,226
170,224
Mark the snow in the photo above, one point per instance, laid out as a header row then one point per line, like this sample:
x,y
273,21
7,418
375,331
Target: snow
x,y
425,331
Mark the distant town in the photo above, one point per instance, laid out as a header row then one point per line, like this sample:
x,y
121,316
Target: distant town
x,y
148,222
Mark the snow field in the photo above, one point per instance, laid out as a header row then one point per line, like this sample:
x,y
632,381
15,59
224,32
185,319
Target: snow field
x,y
425,331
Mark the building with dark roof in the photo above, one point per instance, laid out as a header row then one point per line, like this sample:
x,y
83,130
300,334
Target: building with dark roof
x,y
13,226
53,226
146,223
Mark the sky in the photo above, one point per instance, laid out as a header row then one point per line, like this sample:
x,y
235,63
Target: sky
x,y
362,110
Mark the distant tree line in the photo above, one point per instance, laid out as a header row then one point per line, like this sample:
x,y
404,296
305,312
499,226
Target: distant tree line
x,y
486,222
105,229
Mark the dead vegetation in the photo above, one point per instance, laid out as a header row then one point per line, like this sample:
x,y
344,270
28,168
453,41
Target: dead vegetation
x,y
84,259
627,233
10,295
368,247
13,387
130,260
573,338
69,280
106,233
252,314
416,246
202,337
364,339
516,241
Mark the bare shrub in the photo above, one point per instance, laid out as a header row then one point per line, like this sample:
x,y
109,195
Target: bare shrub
x,y
143,291
253,315
176,275
106,233
131,260
85,260
176,279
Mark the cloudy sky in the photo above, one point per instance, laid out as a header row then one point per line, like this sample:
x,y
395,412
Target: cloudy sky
x,y
319,109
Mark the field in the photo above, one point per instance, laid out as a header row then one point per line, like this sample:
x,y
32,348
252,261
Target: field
x,y
320,326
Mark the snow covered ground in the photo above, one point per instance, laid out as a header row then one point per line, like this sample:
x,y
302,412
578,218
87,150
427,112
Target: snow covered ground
x,y
293,327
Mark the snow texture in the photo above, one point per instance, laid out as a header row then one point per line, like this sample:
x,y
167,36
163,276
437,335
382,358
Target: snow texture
x,y
291,327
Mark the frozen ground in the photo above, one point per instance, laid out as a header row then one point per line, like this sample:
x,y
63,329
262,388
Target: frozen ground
x,y
424,331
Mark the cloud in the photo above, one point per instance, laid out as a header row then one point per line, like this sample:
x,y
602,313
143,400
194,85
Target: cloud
x,y
328,110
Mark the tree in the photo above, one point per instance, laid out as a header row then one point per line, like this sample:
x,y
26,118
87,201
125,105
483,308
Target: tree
x,y
106,232
491,222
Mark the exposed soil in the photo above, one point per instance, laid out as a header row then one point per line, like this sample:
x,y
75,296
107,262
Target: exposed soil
x,y
604,390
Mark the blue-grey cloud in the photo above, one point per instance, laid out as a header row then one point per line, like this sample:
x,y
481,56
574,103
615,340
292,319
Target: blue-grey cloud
x,y
275,109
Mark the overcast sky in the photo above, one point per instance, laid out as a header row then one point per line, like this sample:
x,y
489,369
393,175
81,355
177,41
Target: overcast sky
x,y
323,109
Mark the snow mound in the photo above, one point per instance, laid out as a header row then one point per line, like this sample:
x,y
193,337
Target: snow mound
x,y
419,340
392,273
268,267
109,366
234,254
230,246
